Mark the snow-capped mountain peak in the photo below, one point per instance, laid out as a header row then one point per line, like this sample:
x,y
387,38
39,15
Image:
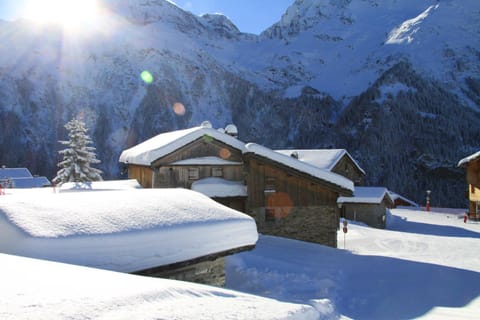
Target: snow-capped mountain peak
x,y
221,25
328,74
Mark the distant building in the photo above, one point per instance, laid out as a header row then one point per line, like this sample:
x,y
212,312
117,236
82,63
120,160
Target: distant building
x,y
401,201
335,160
472,166
286,196
368,205
21,178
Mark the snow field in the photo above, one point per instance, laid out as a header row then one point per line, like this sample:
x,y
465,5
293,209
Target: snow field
x,y
61,291
426,266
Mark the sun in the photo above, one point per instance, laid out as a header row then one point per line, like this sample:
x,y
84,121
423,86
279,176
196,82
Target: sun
x,y
68,13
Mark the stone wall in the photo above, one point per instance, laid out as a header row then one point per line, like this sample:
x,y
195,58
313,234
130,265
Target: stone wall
x,y
317,224
206,272
373,215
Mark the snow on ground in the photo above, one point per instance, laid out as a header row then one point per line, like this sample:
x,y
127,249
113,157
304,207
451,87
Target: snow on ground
x,y
122,230
100,185
37,289
426,266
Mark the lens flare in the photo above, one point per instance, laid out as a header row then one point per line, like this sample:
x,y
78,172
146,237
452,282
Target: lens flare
x,y
224,153
68,13
147,77
207,138
281,202
179,109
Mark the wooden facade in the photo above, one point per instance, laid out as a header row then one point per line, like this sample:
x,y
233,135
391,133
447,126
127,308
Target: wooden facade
x,y
292,204
473,180
169,174
143,174
350,170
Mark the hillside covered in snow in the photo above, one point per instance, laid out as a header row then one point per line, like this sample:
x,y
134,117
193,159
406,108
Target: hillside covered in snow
x,y
394,82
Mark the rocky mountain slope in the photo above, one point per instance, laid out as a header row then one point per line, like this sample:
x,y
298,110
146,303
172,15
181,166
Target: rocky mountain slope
x,y
395,82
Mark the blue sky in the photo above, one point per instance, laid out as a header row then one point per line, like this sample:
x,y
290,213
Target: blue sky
x,y
252,16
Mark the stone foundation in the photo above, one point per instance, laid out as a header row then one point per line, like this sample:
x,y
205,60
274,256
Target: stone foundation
x,y
317,224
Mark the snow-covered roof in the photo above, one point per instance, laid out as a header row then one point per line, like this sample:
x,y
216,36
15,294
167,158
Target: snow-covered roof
x,y
163,144
147,152
323,158
38,289
31,182
122,230
100,185
373,195
300,166
466,160
220,188
394,196
6,173
212,161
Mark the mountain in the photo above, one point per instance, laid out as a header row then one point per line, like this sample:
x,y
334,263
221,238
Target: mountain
x,y
395,82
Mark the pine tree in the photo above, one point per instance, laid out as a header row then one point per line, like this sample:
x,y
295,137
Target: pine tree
x,y
78,156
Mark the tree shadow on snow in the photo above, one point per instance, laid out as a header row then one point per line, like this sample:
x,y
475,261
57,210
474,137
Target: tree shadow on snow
x,y
403,225
388,288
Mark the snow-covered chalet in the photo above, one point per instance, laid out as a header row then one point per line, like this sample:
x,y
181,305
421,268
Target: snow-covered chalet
x,y
175,233
472,166
286,196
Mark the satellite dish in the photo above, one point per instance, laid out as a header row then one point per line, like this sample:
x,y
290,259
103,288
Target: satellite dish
x,y
231,130
206,124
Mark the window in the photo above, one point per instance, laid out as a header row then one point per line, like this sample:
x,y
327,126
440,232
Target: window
x,y
269,214
193,174
269,185
217,172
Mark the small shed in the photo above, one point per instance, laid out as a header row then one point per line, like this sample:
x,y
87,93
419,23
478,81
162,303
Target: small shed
x,y
368,205
338,161
170,233
472,166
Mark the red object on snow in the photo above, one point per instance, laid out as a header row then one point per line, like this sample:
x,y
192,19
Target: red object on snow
x,y
465,218
345,229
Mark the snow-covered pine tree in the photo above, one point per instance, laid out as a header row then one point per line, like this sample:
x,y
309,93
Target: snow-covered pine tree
x,y
78,156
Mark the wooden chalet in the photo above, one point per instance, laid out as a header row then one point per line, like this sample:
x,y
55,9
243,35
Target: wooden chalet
x,y
291,198
368,205
181,158
287,197
472,166
335,160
